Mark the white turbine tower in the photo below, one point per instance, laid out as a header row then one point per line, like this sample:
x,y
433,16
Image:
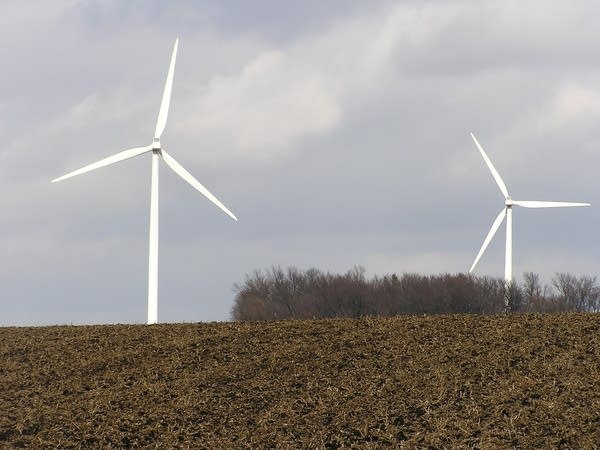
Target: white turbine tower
x,y
507,212
158,153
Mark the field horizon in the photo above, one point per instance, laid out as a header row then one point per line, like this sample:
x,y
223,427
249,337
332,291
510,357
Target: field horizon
x,y
467,381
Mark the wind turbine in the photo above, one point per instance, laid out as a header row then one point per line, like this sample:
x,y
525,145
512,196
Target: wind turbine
x,y
507,213
158,153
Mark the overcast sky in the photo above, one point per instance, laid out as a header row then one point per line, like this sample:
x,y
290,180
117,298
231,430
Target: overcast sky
x,y
337,132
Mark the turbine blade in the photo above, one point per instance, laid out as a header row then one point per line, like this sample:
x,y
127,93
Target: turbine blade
x,y
179,170
536,204
489,237
161,122
126,154
495,173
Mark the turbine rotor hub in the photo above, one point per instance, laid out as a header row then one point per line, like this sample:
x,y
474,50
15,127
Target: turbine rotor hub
x,y
155,144
508,201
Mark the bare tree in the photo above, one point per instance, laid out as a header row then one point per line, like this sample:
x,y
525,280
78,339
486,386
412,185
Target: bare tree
x,y
296,294
531,285
537,297
577,294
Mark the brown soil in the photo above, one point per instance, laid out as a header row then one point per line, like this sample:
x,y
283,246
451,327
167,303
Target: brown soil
x,y
503,381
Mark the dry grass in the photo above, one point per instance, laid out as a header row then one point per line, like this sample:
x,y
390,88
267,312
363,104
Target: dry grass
x,y
514,381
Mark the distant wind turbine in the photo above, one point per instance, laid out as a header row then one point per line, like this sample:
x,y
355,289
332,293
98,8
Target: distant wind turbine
x,y
157,153
507,213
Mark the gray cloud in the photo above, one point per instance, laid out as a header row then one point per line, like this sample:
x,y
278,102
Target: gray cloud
x,y
336,131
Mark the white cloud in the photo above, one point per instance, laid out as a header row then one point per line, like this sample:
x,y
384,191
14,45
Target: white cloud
x,y
264,109
573,104
281,96
102,110
95,116
16,14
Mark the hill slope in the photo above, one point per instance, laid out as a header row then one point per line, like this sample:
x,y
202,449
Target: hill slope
x,y
444,381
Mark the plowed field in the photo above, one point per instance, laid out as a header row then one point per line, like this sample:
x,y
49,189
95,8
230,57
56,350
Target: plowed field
x,y
502,381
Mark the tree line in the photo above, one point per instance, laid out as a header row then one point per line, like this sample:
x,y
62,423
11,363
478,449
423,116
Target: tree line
x,y
277,293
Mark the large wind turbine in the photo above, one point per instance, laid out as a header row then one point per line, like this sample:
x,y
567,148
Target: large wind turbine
x,y
507,213
158,153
